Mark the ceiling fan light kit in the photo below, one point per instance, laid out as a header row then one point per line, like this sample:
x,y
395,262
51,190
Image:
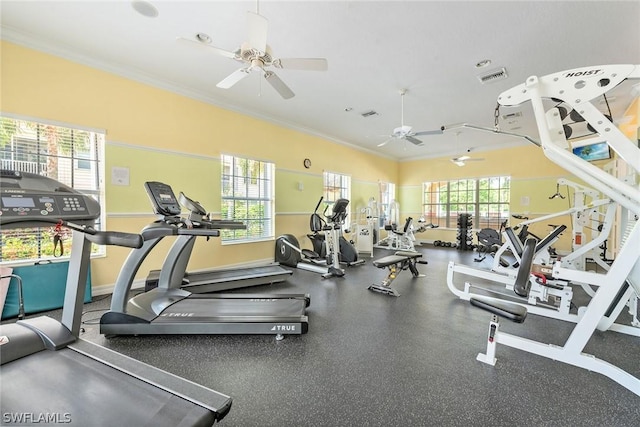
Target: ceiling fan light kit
x,y
461,160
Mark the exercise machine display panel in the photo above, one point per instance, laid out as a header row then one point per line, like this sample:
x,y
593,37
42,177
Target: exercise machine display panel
x,y
26,198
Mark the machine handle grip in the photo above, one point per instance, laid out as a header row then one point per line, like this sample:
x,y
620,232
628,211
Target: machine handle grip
x,y
115,238
318,205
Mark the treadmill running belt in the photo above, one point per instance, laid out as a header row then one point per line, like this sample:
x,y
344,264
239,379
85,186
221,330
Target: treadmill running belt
x,y
239,274
200,308
67,387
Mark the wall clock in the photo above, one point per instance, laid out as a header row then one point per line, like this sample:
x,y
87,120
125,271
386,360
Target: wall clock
x,y
307,163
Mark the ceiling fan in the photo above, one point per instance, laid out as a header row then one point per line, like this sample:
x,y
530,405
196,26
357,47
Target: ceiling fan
x,y
257,56
405,132
461,160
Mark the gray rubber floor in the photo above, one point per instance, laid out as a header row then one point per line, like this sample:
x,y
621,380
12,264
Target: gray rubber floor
x,y
375,360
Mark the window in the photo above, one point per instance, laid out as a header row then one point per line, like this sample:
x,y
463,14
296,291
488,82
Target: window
x,y
387,195
487,199
336,186
248,197
493,201
69,155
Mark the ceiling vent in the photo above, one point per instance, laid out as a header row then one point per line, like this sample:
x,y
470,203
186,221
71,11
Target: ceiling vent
x,y
369,113
493,75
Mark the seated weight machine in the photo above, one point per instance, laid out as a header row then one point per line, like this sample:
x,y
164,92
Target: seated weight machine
x,y
551,295
598,216
614,288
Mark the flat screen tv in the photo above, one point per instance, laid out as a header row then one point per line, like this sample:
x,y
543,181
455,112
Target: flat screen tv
x,y
593,152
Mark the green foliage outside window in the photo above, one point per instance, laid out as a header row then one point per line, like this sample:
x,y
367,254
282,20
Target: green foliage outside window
x,y
247,196
68,155
487,199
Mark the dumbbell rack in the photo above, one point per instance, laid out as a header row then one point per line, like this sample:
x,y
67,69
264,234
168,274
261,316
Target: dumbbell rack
x,y
465,232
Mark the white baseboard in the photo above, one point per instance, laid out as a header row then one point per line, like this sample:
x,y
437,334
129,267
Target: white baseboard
x,y
139,283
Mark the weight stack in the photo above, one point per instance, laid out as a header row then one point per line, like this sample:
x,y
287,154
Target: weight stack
x,y
465,232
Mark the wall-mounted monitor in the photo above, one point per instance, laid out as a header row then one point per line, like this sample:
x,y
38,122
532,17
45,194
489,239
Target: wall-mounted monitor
x,y
593,152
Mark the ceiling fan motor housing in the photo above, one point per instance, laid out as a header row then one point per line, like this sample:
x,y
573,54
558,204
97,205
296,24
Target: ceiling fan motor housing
x,y
402,130
250,54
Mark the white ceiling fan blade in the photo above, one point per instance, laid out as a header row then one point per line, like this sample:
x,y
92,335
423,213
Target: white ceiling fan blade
x,y
278,85
382,144
429,132
257,31
460,159
310,64
413,140
233,78
200,45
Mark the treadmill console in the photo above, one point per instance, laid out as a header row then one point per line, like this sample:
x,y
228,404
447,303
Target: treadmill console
x,y
31,198
162,198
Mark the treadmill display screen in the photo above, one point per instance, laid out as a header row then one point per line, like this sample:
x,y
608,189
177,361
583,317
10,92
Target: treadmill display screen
x,y
18,202
162,198
167,198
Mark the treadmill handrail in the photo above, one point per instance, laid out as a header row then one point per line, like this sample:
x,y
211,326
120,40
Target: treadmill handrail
x,y
253,296
198,232
210,399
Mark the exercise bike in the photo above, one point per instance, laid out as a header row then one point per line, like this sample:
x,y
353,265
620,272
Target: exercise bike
x,y
490,241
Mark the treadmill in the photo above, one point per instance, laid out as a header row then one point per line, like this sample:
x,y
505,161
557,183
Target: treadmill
x,y
170,309
174,269
49,375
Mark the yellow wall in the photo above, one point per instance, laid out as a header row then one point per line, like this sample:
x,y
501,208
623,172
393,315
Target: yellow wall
x,y
167,137
160,135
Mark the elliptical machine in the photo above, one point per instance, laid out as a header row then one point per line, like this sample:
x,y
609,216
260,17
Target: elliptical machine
x,y
320,228
325,258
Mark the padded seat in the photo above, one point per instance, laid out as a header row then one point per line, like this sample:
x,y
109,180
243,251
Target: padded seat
x,y
396,258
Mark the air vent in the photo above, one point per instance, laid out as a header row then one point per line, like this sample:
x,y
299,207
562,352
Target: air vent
x,y
369,113
493,75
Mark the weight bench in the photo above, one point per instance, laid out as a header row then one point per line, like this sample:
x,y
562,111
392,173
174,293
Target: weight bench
x,y
397,262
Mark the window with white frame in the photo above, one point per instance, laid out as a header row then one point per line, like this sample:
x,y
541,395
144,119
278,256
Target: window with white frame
x,y
487,199
69,155
336,186
387,192
248,196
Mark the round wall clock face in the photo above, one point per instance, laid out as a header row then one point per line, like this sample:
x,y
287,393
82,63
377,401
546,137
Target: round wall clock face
x,y
307,163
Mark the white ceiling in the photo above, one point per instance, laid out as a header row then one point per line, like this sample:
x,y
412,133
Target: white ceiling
x,y
374,49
